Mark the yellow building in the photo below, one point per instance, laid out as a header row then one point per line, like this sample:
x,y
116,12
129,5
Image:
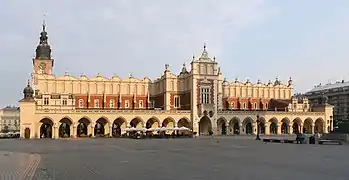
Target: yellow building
x,y
198,98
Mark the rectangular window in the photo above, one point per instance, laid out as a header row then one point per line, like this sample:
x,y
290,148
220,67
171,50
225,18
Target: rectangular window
x,y
46,101
112,103
65,102
177,102
140,104
96,103
127,104
205,95
81,103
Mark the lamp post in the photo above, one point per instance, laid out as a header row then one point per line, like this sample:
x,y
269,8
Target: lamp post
x,y
257,137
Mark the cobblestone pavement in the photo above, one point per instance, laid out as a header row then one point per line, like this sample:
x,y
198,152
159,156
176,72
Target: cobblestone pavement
x,y
18,166
187,159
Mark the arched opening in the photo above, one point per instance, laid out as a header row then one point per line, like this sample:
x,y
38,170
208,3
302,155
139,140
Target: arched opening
x,y
136,123
222,128
152,123
296,125
261,128
118,125
249,128
82,128
273,127
168,123
46,128
101,127
26,133
307,129
64,128
205,126
248,125
319,126
184,122
261,125
285,126
234,126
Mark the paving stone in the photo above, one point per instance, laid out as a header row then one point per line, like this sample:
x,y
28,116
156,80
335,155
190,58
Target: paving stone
x,y
199,158
18,166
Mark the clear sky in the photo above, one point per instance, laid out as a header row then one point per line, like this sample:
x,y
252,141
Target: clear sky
x,y
306,40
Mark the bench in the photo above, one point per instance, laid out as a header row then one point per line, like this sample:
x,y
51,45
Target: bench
x,y
278,140
322,141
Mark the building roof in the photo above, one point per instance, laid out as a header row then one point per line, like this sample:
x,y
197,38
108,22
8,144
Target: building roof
x,y
330,86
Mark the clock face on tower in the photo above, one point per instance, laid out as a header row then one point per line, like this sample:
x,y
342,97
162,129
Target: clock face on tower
x,y
42,66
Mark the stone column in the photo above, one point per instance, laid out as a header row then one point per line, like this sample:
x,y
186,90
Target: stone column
x,y
74,133
110,131
267,128
92,130
55,133
290,129
241,129
278,127
313,128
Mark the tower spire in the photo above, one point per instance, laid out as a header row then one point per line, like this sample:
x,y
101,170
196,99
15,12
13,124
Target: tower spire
x,y
43,50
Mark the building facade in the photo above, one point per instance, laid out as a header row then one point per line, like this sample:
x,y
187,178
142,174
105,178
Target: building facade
x,y
198,98
338,96
9,119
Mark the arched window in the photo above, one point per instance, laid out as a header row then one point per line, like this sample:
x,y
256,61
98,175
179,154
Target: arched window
x,y
255,105
112,103
81,103
96,103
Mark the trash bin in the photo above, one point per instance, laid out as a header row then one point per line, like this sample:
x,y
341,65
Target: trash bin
x,y
312,140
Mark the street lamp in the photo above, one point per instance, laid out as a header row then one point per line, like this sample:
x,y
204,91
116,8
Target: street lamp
x,y
257,137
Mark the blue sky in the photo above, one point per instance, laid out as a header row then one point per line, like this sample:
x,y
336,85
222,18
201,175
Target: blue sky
x,y
305,40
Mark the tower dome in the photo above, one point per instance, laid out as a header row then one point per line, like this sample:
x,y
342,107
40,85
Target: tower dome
x,y
28,91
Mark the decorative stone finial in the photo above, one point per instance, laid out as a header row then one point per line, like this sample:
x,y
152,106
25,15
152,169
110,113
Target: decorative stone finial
x,y
130,75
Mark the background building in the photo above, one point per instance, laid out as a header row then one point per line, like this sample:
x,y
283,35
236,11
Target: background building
x,y
9,119
198,98
338,96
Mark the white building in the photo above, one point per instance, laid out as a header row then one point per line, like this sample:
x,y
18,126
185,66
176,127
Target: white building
x,y
9,119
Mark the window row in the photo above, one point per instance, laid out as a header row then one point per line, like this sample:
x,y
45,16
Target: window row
x,y
112,103
245,106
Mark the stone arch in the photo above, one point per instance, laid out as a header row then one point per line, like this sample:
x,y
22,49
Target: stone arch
x,y
222,126
234,125
273,127
101,127
137,122
65,128
205,126
261,126
184,122
169,122
297,123
285,124
319,125
119,124
307,126
46,127
248,125
83,129
152,122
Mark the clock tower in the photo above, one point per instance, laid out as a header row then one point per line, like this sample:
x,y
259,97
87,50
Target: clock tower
x,y
42,62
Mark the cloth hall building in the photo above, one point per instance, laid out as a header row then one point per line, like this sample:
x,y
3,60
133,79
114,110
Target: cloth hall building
x,y
199,98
